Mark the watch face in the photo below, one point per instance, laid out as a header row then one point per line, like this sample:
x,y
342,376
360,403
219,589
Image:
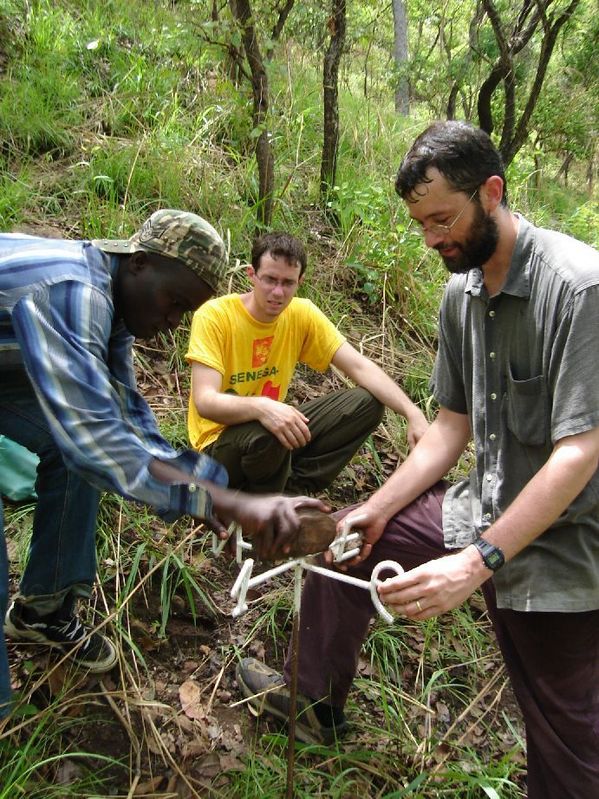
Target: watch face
x,y
492,556
494,559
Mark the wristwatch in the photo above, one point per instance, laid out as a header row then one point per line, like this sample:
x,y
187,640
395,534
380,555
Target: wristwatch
x,y
492,556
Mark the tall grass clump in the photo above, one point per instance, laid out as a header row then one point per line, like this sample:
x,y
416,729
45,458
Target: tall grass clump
x,y
41,758
40,102
14,194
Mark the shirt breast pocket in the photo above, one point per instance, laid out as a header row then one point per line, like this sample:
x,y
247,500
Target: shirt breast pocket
x,y
528,410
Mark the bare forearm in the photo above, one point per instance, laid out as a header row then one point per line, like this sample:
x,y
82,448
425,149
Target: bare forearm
x,y
442,584
436,453
223,499
395,398
228,409
167,473
367,374
213,403
286,423
270,521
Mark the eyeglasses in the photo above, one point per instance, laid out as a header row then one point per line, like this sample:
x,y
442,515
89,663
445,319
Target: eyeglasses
x,y
442,230
271,283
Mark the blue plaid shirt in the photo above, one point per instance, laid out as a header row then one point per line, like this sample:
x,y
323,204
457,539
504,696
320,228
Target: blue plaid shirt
x,y
57,321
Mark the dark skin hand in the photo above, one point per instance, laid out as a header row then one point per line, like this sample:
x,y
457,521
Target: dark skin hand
x,y
270,520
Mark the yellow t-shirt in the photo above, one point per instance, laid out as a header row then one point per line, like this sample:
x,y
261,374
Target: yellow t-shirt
x,y
256,358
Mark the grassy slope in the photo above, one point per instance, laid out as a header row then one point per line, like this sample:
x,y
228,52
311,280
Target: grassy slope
x,y
108,111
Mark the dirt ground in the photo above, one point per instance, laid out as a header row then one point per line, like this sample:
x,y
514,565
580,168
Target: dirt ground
x,y
179,724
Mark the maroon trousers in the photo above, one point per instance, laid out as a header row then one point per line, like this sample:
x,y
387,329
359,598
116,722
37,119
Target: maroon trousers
x,y
552,658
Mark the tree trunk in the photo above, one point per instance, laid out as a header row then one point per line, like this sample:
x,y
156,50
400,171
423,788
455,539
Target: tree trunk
x,y
565,168
283,12
330,82
451,102
400,56
510,147
242,13
510,43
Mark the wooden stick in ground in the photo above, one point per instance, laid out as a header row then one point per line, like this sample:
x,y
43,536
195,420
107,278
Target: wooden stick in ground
x,y
297,597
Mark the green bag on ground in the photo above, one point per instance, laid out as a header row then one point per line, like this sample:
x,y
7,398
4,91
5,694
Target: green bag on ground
x,y
17,470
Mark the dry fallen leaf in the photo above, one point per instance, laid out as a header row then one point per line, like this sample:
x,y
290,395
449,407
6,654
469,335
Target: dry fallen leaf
x,y
148,787
209,765
190,696
68,772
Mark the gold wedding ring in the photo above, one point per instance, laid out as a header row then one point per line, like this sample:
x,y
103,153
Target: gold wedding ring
x,y
419,606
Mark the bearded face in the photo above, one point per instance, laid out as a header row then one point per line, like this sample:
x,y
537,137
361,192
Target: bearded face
x,y
475,247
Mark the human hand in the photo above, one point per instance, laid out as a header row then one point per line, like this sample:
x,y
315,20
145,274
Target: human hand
x,y
287,423
436,586
365,519
273,522
417,426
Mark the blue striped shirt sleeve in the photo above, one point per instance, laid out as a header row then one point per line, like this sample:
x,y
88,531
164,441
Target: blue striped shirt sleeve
x,y
81,371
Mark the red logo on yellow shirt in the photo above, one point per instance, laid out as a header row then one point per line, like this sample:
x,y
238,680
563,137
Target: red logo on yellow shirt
x,y
270,390
261,350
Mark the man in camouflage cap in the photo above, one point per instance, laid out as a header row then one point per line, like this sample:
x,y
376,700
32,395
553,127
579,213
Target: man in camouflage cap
x,y
69,311
181,235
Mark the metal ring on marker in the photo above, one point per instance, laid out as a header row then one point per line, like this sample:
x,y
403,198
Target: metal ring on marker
x,y
374,582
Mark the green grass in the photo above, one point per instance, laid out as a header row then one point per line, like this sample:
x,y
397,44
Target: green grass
x,y
40,759
109,110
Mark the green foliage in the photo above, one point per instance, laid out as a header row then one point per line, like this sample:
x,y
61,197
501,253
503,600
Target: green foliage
x,y
452,45
567,116
583,223
137,177
30,767
109,110
37,113
551,205
40,93
14,193
177,576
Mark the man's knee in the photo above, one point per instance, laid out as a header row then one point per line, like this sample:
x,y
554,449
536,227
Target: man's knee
x,y
265,441
51,468
368,405
254,458
249,438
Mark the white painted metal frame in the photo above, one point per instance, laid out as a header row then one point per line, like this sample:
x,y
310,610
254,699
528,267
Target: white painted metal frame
x,y
345,546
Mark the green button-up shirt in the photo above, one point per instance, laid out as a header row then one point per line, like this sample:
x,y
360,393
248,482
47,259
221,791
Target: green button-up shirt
x,y
524,366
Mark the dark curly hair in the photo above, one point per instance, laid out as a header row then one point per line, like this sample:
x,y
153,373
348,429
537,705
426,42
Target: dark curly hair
x,y
463,154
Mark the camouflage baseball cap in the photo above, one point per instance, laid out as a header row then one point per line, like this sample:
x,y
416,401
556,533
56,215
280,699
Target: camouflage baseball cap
x,y
181,235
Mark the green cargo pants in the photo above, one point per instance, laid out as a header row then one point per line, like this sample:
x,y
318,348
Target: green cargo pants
x,y
258,463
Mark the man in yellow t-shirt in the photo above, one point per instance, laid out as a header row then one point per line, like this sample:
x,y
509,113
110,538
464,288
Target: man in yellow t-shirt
x,y
244,349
